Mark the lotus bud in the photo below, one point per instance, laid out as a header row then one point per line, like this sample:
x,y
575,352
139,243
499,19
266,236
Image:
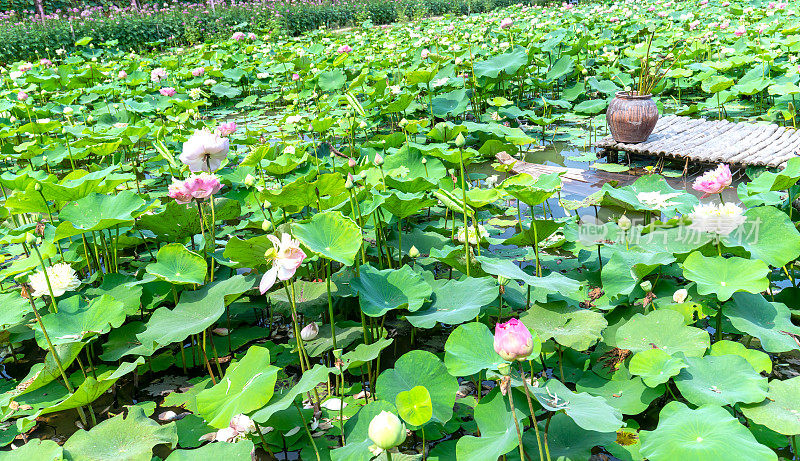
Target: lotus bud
x,y
513,340
624,223
68,111
403,123
266,226
351,162
460,141
249,180
386,430
30,239
378,160
89,119
647,286
680,295
37,187
267,205
424,161
349,183
309,331
502,281
413,252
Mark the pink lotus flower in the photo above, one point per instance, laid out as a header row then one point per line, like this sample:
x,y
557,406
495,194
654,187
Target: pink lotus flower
x,y
167,91
344,49
251,36
771,6
198,71
725,4
714,181
238,36
651,9
179,192
513,340
506,23
295,77
704,2
22,96
203,185
226,129
25,67
158,74
286,256
425,53
662,14
204,151
45,62
122,75
451,28
741,30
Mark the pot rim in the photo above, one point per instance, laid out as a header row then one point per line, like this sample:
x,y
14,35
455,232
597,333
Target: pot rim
x,y
632,95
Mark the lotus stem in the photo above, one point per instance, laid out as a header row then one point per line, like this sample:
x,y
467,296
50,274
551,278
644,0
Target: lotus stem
x,y
464,197
534,423
46,277
516,423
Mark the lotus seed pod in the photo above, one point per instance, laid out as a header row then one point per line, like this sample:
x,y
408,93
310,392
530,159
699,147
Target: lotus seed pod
x,y
386,430
502,280
424,161
504,368
647,286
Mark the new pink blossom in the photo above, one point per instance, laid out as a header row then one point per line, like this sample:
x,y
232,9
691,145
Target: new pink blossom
x,y
45,62
22,96
714,181
425,53
178,191
506,23
122,75
286,256
203,185
226,128
741,30
251,36
295,77
344,49
513,340
238,35
198,71
167,91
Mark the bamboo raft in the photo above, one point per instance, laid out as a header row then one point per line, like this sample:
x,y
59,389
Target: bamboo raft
x,y
717,141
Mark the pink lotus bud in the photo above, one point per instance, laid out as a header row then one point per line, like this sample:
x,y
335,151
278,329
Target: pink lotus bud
x,y
238,36
513,340
309,331
506,23
22,96
295,77
378,159
351,162
425,53
344,49
741,30
122,75
167,91
251,36
198,71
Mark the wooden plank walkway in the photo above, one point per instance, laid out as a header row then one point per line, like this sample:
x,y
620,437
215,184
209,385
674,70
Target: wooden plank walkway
x,y
594,178
715,141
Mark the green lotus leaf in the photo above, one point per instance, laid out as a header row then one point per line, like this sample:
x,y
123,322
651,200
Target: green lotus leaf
x,y
356,433
98,211
131,438
720,380
196,311
768,234
552,282
364,353
414,405
769,322
630,198
591,107
570,326
498,431
77,320
725,276
239,451
622,273
780,408
383,290
177,222
347,332
121,287
508,63
470,349
455,302
589,412
420,368
454,103
248,253
629,396
175,264
566,440
38,449
532,191
757,359
403,205
284,399
331,235
708,433
655,366
247,385
662,329
15,309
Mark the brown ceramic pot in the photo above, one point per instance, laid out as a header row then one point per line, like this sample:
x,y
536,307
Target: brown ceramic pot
x,y
631,117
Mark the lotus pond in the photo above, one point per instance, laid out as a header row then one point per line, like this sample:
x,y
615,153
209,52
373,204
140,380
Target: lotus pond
x,y
302,248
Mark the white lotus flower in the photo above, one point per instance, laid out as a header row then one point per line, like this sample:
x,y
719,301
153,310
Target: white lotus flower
x,y
62,279
472,240
204,151
719,219
657,200
242,424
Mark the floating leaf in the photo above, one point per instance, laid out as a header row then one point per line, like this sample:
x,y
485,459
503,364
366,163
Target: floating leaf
x,y
662,329
414,405
455,302
383,290
175,264
780,411
720,380
331,235
470,349
655,366
725,276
